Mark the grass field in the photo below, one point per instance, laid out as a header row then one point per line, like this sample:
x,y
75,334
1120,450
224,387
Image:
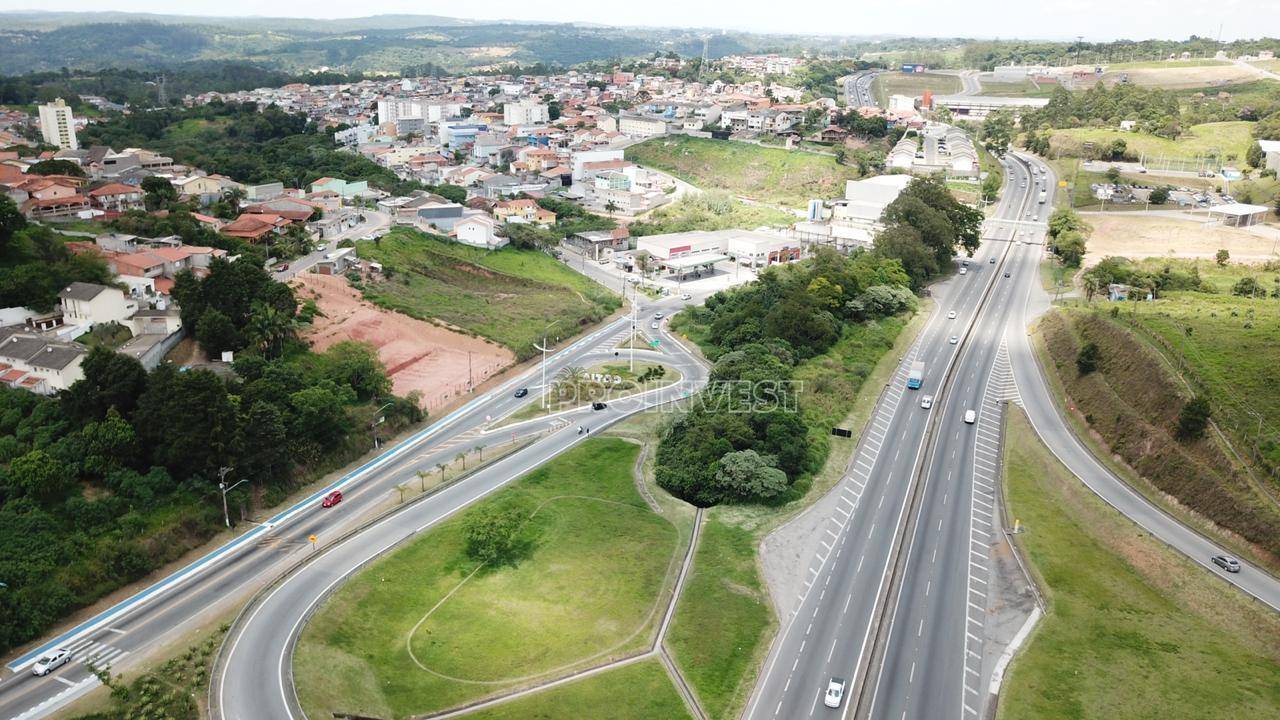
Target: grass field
x,y
1229,140
1026,88
1162,64
723,618
765,174
913,85
508,295
425,628
1133,629
640,691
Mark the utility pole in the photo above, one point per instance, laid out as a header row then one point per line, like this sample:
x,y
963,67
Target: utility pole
x,y
222,486
378,419
635,304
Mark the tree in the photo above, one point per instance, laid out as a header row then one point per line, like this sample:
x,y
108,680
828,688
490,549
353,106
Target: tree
x,y
159,193
56,167
1113,174
215,333
1159,196
997,131
269,328
1070,248
990,187
1255,157
1194,418
747,475
1088,358
264,453
111,380
41,477
1222,257
490,532
11,220
1249,286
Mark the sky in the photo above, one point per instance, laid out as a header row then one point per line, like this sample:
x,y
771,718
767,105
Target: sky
x,y
1096,20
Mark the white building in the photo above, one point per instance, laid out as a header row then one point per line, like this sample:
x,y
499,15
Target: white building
x,y
525,112
478,231
641,126
29,362
88,304
57,125
901,103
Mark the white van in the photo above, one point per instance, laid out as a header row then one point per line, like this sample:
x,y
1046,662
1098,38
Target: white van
x,y
970,416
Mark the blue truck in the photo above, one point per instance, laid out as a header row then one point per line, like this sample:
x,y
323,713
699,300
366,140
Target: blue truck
x,y
916,376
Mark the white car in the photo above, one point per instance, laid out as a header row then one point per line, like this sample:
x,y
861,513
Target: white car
x,y
835,693
964,271
951,315
954,339
653,326
926,402
686,296
657,316
51,661
970,417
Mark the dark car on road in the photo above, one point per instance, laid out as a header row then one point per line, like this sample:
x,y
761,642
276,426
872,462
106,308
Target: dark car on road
x,y
598,406
1006,274
522,392
331,499
1226,562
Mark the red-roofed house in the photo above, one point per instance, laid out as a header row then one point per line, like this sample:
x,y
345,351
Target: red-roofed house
x,y
254,227
117,197
523,210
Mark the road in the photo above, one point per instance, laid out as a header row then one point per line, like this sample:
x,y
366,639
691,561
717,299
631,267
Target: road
x,y
827,632
256,682
374,220
217,582
857,89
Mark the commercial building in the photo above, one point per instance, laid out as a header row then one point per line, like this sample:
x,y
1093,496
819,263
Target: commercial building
x,y
1240,214
977,107
57,126
641,126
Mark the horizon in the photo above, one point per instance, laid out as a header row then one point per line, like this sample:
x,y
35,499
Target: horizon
x,y
591,15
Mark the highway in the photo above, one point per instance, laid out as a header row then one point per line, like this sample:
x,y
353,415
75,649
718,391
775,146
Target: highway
x,y
219,581
857,89
256,679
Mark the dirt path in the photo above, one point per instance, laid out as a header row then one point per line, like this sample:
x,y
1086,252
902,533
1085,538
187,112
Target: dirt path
x,y
419,356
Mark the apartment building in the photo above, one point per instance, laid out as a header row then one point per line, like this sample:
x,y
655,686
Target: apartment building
x,y
57,125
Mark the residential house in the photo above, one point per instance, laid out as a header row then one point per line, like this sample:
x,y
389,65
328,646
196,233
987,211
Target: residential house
x,y
478,231
88,304
117,197
523,210
29,362
256,227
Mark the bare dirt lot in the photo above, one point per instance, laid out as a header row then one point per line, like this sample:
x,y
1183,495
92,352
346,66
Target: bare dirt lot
x,y
1155,236
418,355
1179,78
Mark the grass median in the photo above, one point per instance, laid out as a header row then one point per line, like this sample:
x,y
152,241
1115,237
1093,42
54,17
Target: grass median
x,y
1133,629
640,691
426,628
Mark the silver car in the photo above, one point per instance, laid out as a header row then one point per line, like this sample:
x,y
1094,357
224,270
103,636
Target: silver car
x,y
51,661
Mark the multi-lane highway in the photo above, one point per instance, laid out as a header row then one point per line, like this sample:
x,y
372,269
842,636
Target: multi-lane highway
x,y
857,89
827,632
216,583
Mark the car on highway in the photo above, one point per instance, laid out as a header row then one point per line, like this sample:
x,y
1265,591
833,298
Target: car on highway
x,y
1226,562
954,339
653,325
926,402
951,315
992,261
686,296
970,417
598,406
1006,274
522,392
51,661
964,271
331,499
657,316
835,693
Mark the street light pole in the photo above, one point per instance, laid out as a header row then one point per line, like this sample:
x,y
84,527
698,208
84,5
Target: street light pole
x,y
377,420
222,485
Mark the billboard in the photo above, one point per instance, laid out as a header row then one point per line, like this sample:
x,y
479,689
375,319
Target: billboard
x,y
913,68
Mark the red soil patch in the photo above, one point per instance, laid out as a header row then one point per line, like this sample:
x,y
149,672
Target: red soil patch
x,y
418,355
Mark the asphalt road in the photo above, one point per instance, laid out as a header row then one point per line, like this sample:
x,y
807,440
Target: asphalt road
x,y
256,682
857,89
374,220
219,581
828,632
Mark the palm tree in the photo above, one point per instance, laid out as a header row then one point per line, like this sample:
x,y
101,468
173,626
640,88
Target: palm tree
x,y
611,207
402,487
570,380
269,327
422,480
480,452
441,467
462,458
